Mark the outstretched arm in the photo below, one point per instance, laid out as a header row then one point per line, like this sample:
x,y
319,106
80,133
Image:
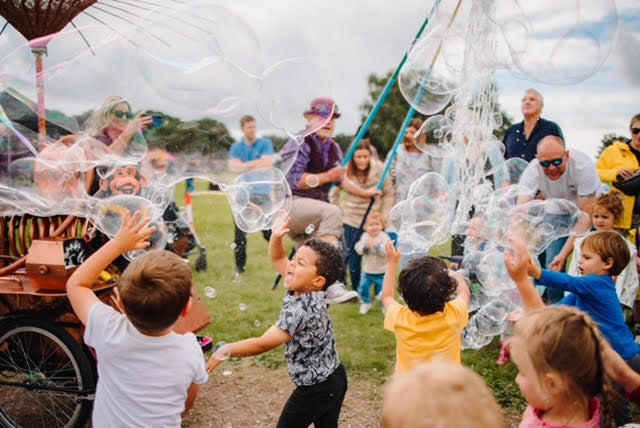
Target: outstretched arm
x,y
519,265
389,284
277,251
463,289
133,235
271,339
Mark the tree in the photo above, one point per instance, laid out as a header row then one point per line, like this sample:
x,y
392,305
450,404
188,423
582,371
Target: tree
x,y
206,136
386,125
609,139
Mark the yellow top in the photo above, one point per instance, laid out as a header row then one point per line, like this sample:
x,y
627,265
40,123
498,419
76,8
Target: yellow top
x,y
421,338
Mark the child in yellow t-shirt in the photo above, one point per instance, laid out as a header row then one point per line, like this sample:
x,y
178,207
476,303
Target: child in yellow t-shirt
x,y
431,323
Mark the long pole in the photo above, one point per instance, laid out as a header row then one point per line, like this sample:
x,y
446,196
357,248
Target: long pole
x,y
403,129
385,92
42,122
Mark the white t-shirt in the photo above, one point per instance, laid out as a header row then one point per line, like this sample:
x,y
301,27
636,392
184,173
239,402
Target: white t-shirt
x,y
143,380
580,179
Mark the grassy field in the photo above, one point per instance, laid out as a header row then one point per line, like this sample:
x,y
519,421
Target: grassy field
x,y
366,349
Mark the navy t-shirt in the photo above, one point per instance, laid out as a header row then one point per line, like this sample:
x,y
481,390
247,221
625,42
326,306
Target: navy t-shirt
x,y
517,146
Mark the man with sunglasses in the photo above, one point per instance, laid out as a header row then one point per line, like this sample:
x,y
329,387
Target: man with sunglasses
x,y
561,174
521,139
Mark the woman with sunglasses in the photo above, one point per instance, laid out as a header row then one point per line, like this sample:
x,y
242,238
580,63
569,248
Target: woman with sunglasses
x,y
621,161
115,125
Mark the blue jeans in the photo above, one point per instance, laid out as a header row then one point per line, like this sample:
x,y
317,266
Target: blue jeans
x,y
369,279
350,237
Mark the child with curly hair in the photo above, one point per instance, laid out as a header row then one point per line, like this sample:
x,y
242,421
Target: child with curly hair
x,y
305,330
437,310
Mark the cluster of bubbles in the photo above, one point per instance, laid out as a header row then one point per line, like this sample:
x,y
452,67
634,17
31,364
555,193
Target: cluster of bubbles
x,y
101,159
471,190
512,35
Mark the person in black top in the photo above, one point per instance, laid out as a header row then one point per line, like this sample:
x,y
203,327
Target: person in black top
x,y
521,139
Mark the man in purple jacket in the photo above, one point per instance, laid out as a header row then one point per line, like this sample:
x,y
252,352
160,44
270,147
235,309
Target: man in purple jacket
x,y
316,168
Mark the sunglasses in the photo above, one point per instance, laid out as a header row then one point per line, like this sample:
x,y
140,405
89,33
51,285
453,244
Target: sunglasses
x,y
554,162
635,131
120,114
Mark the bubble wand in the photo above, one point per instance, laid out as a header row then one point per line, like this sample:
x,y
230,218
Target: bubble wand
x,y
403,129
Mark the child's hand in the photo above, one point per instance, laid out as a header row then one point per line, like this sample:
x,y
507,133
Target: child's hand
x,y
213,363
134,232
372,243
393,254
517,259
283,228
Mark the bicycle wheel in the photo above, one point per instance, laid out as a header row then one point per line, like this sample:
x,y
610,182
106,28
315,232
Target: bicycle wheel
x,y
45,377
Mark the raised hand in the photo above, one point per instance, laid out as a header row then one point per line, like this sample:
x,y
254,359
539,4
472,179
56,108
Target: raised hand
x,y
134,232
393,254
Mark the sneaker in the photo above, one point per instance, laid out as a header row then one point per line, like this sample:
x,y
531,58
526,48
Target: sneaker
x,y
338,293
379,297
364,308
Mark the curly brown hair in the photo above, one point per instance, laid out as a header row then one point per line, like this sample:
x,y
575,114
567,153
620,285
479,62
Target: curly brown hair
x,y
612,202
330,264
425,285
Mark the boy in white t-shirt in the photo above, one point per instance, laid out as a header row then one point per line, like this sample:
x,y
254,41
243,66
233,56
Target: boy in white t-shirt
x,y
148,375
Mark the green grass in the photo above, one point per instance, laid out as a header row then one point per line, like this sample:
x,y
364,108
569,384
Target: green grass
x,y
365,348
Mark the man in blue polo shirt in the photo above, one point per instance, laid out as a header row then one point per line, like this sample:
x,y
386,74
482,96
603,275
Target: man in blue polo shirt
x,y
521,140
248,154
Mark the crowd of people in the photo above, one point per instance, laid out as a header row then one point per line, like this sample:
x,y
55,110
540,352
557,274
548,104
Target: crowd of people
x,y
576,356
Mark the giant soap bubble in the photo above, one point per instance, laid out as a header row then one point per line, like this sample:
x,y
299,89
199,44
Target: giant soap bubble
x,y
200,56
546,50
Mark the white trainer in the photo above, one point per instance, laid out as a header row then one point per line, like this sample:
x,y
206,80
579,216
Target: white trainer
x,y
364,308
338,293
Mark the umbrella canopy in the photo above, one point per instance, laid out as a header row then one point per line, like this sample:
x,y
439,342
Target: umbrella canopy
x,y
38,18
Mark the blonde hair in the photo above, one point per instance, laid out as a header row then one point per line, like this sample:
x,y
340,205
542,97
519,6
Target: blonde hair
x,y
439,394
375,215
99,119
566,341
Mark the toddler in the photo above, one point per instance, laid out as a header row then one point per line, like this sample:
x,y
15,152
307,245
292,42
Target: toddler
x,y
371,247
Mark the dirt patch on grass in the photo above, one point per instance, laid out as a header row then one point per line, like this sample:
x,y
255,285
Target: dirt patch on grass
x,y
253,396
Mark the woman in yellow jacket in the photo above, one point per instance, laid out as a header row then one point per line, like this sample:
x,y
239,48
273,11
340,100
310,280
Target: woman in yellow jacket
x,y
618,162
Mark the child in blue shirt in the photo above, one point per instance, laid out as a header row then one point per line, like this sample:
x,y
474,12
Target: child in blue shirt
x,y
604,254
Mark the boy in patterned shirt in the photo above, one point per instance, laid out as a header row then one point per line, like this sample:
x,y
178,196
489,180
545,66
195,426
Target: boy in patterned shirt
x,y
306,331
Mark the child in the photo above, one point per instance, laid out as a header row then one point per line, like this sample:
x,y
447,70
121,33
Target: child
x,y
371,247
432,322
603,254
149,375
457,397
559,354
306,331
606,212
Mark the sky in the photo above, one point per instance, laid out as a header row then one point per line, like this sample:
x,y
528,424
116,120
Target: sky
x,y
337,44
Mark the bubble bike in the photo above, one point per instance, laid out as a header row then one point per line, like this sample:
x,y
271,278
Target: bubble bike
x,y
47,374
